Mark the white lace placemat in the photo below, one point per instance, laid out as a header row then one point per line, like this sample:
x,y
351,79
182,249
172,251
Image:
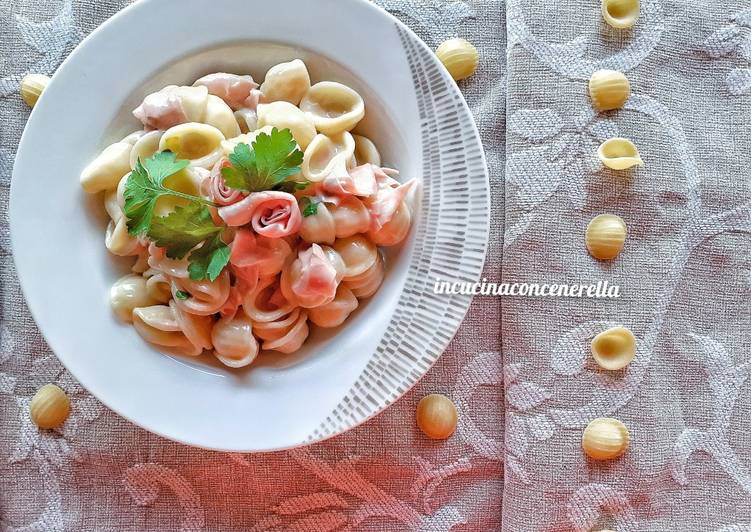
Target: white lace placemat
x,y
685,272
102,473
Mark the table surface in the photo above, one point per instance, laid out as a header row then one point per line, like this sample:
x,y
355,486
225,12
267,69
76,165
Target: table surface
x,y
515,462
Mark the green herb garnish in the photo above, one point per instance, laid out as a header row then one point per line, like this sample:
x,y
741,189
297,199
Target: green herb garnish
x,y
209,260
310,207
291,186
181,230
146,185
268,163
182,295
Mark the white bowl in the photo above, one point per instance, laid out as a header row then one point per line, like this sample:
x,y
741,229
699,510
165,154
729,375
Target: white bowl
x,y
415,114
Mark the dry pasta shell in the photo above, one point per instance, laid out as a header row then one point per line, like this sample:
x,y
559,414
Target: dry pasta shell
x,y
605,237
32,87
436,416
621,14
609,89
619,154
459,57
614,349
49,407
605,438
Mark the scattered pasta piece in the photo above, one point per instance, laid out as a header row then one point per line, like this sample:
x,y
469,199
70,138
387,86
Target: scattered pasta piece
x,y
605,237
614,349
436,416
49,407
621,14
32,87
619,154
609,89
605,438
459,57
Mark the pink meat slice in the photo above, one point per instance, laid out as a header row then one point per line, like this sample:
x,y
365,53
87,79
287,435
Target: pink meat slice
x,y
317,275
236,91
271,213
161,110
360,181
386,202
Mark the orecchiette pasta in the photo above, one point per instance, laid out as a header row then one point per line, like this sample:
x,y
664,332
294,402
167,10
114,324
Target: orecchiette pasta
x,y
358,254
284,115
368,282
333,107
350,217
319,228
395,230
275,329
267,303
247,119
205,297
293,339
275,232
168,326
112,206
201,144
327,156
146,146
118,241
128,293
219,115
158,286
158,325
234,343
334,313
105,172
187,181
286,81
366,152
229,145
132,138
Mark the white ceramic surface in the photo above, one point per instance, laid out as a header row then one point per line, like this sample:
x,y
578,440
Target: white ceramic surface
x,y
417,118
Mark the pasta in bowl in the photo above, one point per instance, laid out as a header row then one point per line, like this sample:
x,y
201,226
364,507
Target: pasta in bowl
x,y
249,212
352,364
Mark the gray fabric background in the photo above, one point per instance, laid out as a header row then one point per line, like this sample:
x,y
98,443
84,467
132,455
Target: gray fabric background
x,y
685,271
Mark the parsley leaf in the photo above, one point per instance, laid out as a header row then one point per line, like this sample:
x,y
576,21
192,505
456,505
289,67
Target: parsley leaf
x,y
310,207
183,229
145,186
291,186
209,260
186,228
270,161
182,295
